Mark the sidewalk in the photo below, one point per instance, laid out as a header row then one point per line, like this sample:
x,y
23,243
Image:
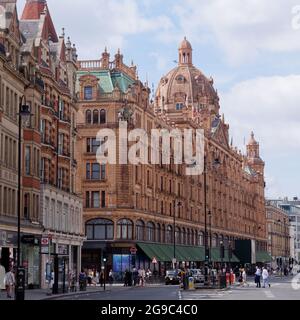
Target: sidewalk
x,y
42,294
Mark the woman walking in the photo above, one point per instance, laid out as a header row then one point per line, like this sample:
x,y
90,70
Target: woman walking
x,y
265,277
9,281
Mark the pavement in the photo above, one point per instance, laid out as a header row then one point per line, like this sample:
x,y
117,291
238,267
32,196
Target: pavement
x,y
282,288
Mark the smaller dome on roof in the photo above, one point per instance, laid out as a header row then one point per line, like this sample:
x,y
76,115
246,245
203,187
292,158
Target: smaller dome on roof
x,y
185,44
252,140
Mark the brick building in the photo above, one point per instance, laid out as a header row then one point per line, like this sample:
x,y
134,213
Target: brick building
x,y
134,205
278,228
60,206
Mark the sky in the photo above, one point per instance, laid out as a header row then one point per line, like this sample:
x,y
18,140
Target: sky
x,y
250,47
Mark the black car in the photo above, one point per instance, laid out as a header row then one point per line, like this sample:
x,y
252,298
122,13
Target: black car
x,y
172,277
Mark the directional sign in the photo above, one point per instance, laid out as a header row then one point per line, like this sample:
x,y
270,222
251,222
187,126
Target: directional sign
x,y
133,250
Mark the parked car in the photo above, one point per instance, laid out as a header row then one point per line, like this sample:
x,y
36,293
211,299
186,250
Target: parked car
x,y
197,275
172,277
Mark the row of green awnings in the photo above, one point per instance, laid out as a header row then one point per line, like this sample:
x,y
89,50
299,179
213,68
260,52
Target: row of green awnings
x,y
164,253
263,257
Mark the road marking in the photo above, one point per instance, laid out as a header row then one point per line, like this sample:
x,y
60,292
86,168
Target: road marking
x,y
269,294
179,295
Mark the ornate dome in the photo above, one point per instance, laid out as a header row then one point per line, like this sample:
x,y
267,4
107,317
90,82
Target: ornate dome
x,y
186,86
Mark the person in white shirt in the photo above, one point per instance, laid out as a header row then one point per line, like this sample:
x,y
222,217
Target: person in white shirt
x,y
9,281
265,277
257,277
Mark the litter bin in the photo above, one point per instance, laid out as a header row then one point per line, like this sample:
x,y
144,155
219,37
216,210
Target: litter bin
x,y
191,283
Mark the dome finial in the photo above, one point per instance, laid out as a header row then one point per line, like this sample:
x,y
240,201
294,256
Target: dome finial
x,y
185,52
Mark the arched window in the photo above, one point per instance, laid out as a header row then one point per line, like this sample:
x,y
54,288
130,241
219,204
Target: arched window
x,y
158,233
226,241
177,235
192,238
169,234
88,117
188,240
102,116
124,229
150,232
201,239
99,229
140,228
214,240
163,233
183,238
95,116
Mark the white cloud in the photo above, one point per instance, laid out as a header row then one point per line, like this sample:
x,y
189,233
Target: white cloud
x,y
95,24
270,107
242,29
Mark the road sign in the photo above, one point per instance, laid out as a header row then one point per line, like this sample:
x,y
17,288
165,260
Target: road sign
x,y
154,261
45,241
133,250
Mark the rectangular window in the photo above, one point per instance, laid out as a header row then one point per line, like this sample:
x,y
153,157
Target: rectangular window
x,y
88,171
102,199
88,93
60,178
27,160
95,199
92,145
103,172
95,171
87,199
60,143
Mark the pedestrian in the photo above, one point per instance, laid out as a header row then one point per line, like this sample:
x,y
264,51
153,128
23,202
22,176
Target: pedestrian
x,y
265,277
9,281
244,277
142,275
101,278
135,277
126,278
257,277
82,279
111,277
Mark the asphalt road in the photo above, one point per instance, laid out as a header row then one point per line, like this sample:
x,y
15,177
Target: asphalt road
x,y
281,289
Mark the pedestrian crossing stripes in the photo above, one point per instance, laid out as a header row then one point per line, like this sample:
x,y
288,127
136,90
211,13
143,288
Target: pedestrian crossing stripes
x,y
269,294
202,296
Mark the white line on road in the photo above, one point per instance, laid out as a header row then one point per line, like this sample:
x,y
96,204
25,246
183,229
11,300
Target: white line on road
x,y
179,295
269,294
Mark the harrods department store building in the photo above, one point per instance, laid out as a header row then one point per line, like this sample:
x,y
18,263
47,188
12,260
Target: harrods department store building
x,y
131,205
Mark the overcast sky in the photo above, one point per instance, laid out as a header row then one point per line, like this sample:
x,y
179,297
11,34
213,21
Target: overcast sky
x,y
250,47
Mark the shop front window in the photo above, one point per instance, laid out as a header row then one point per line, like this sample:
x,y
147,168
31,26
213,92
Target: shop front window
x,y
124,229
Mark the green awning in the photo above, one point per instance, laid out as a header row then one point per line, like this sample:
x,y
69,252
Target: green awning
x,y
165,252
263,256
216,256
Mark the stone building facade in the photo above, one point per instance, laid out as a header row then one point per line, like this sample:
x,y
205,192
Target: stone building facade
x,y
60,206
144,206
278,228
20,83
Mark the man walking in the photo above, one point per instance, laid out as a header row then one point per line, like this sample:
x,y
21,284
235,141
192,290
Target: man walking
x,y
257,277
265,277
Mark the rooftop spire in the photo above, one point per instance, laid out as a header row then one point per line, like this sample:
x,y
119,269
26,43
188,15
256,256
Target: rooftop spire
x,y
185,52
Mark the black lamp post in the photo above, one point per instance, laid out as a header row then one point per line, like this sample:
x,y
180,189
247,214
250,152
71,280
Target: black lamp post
x,y
206,245
24,113
174,234
222,254
104,272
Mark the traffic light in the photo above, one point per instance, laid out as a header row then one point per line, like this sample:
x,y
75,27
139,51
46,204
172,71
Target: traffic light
x,y
207,254
222,251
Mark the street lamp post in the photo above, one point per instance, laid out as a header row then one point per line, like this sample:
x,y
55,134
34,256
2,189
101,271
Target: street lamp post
x,y
174,235
104,272
206,246
24,112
